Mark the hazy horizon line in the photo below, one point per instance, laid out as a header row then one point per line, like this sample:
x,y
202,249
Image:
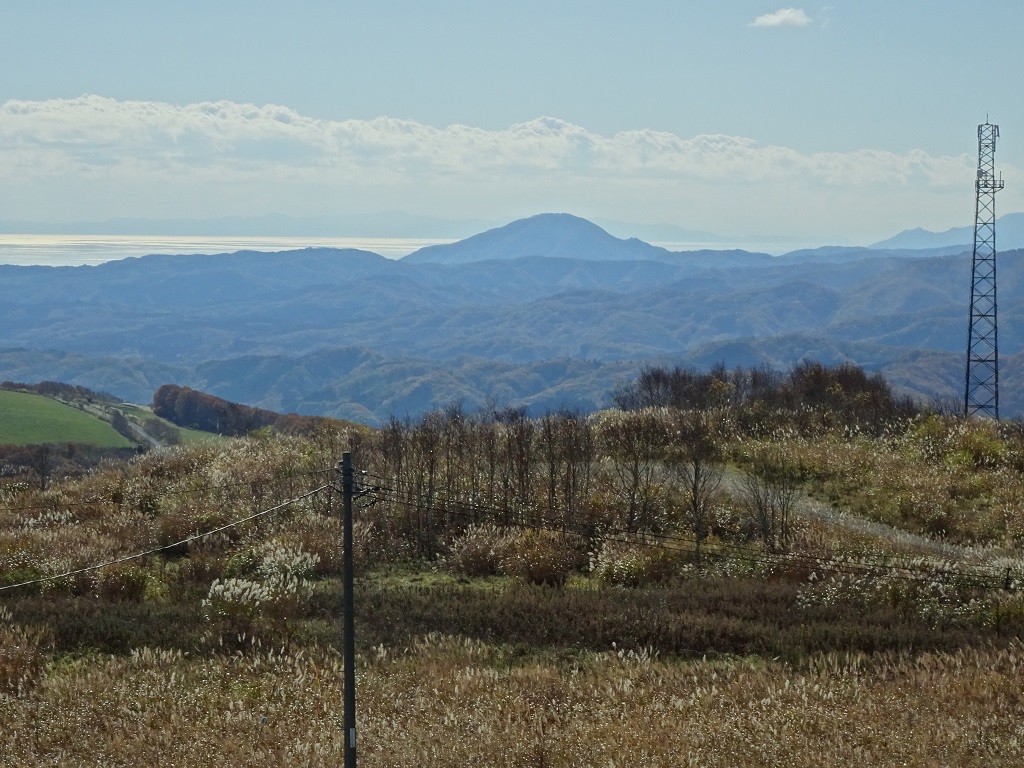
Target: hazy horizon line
x,y
390,225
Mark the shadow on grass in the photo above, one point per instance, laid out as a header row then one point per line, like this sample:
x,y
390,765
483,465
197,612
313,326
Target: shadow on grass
x,y
700,617
695,618
79,625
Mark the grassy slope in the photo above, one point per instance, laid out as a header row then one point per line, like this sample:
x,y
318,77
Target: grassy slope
x,y
27,419
141,415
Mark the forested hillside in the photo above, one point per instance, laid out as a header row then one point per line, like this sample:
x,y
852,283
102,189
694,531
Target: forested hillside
x,y
350,334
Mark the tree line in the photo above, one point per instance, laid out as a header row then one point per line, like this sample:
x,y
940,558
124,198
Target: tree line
x,y
190,408
840,394
624,473
652,464
193,409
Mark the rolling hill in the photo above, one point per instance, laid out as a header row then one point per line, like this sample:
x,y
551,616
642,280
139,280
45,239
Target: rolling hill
x,y
30,419
55,413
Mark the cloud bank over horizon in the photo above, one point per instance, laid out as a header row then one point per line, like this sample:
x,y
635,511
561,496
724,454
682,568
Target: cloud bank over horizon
x,y
94,157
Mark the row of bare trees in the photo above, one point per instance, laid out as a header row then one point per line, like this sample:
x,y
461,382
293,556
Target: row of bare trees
x,y
652,470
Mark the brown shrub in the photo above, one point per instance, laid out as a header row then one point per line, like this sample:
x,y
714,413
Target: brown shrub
x,y
479,551
122,581
540,557
199,569
635,564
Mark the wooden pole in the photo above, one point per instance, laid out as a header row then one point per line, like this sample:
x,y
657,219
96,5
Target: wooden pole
x,y
348,611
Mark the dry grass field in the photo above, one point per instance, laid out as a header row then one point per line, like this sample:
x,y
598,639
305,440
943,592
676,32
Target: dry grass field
x,y
553,613
447,701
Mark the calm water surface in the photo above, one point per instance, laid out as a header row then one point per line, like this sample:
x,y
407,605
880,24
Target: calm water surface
x,y
73,250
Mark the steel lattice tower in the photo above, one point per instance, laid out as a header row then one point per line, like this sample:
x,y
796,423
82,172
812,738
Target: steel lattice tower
x,y
982,393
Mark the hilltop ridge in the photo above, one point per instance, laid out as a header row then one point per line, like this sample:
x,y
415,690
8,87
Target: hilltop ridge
x,y
550,235
1009,228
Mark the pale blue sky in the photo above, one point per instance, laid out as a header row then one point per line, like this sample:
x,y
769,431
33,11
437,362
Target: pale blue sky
x,y
852,120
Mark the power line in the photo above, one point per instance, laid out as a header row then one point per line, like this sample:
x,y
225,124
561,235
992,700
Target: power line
x,y
165,547
199,490
549,523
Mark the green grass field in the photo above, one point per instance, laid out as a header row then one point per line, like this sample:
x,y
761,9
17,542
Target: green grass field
x,y
27,419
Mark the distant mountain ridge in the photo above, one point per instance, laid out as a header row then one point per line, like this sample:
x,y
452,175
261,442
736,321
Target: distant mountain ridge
x,y
1009,236
385,224
564,236
551,235
543,311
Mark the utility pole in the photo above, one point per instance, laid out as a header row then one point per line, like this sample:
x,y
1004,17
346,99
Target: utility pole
x,y
981,395
348,610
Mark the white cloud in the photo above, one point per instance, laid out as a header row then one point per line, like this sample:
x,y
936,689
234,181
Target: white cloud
x,y
784,17
94,157
98,134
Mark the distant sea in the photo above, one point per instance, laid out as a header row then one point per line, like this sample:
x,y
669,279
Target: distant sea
x,y
77,250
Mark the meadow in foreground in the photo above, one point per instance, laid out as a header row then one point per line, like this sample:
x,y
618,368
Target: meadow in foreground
x,y
529,593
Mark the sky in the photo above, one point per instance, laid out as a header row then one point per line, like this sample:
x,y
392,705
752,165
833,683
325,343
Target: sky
x,y
848,122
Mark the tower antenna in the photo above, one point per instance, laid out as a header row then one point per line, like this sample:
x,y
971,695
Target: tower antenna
x,y
981,396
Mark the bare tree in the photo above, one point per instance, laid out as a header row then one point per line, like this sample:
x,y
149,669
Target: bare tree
x,y
695,462
426,441
454,427
579,449
553,458
771,491
568,450
635,442
520,454
42,460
